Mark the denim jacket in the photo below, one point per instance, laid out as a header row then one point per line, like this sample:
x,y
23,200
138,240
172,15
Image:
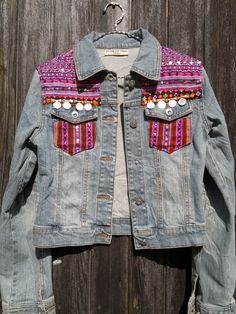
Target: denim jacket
x,y
96,154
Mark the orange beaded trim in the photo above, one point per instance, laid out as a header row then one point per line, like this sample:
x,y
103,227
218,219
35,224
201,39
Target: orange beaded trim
x,y
190,94
84,100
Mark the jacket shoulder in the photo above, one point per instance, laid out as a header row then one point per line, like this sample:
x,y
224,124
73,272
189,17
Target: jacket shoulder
x,y
61,63
172,59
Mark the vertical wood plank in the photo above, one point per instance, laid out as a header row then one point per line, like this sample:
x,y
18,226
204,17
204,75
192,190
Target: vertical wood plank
x,y
71,279
32,35
8,56
178,283
185,34
147,281
186,26
151,15
220,57
8,36
71,20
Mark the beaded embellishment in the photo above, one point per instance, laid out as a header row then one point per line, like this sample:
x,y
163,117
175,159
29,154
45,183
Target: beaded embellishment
x,y
59,82
180,77
61,89
170,136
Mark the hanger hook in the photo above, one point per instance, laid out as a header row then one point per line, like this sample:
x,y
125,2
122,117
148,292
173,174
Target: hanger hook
x,y
113,6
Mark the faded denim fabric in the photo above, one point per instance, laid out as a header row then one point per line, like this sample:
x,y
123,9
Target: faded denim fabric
x,y
182,199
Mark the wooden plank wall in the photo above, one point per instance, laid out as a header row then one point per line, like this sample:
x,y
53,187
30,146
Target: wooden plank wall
x,y
114,279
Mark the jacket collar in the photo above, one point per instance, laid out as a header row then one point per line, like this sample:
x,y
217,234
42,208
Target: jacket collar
x,y
88,62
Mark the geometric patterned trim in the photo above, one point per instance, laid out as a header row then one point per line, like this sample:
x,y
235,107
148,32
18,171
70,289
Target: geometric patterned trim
x,y
170,136
74,138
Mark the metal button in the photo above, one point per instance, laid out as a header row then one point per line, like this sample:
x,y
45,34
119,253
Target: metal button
x,y
66,105
79,106
87,106
132,83
150,105
138,200
161,104
109,76
172,103
133,124
57,104
169,111
74,114
142,242
182,101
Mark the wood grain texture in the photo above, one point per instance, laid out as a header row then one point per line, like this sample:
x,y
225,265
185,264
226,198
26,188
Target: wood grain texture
x,y
114,279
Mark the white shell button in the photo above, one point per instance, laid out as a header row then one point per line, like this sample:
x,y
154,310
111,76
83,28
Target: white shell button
x,y
182,101
57,104
150,105
88,106
161,104
79,106
66,105
172,103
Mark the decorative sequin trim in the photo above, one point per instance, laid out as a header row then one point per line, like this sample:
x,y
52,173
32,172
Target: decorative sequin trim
x,y
170,136
93,100
59,82
74,138
180,77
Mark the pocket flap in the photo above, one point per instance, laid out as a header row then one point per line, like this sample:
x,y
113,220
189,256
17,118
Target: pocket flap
x,y
74,116
169,113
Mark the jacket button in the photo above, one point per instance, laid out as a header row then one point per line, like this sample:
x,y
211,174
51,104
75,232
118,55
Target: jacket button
x,y
132,83
109,77
143,242
138,200
169,111
133,124
74,114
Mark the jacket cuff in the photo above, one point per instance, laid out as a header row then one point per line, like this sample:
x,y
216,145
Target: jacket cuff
x,y
203,308
47,306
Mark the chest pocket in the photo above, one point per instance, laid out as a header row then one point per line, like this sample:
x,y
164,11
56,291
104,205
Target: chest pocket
x,y
169,124
74,131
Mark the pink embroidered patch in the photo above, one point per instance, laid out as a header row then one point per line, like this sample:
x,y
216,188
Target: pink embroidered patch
x,y
180,77
59,82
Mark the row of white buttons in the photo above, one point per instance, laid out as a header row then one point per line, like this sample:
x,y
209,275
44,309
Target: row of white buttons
x,y
162,104
67,105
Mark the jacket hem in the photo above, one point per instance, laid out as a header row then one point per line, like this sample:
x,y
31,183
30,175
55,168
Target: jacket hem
x,y
203,308
47,306
48,237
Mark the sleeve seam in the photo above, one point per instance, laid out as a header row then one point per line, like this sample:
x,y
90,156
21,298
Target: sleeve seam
x,y
42,118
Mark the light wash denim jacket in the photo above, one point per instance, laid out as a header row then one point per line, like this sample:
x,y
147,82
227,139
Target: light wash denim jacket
x,y
179,168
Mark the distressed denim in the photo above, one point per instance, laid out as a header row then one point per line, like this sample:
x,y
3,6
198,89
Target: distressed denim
x,y
185,198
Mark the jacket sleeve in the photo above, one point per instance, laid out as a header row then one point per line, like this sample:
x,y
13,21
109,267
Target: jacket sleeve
x,y
25,271
214,264
24,157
